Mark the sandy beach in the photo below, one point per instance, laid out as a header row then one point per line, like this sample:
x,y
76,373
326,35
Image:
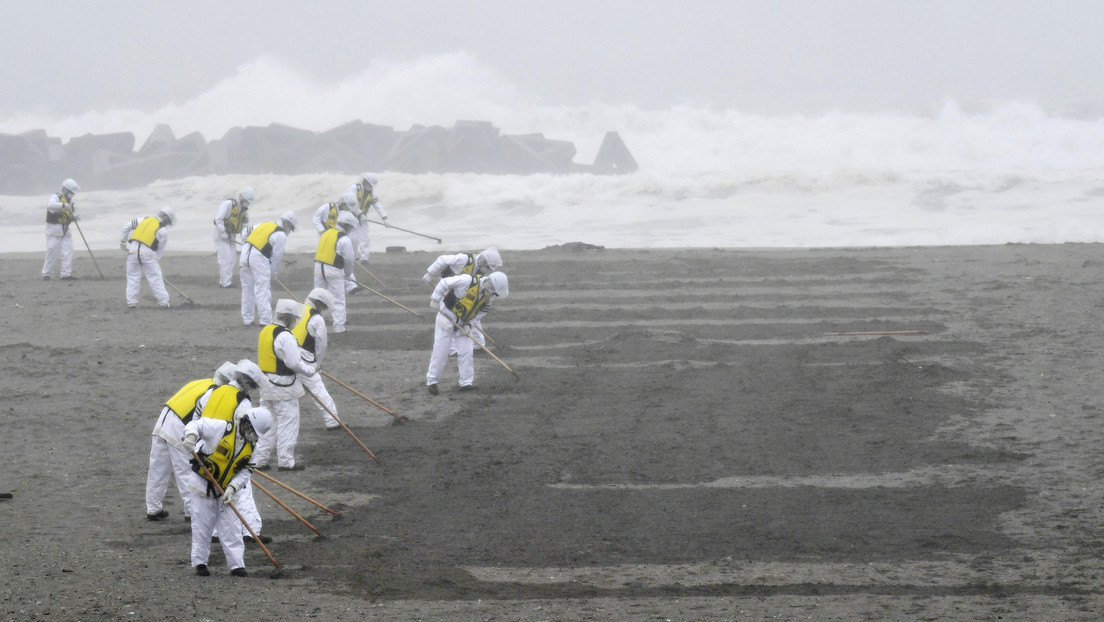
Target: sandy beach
x,y
706,434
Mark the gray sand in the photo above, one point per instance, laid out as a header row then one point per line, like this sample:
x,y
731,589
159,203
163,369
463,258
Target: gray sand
x,y
865,434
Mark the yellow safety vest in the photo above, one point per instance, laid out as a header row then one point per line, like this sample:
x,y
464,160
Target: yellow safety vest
x,y
331,216
266,351
223,402
183,403
365,198
260,235
65,217
230,455
305,339
327,248
146,232
237,217
467,307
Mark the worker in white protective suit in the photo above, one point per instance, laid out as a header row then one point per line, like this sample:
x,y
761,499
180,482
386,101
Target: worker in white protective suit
x,y
459,301
231,218
281,361
310,333
167,458
60,213
479,264
225,402
325,217
225,450
145,241
365,193
333,265
259,264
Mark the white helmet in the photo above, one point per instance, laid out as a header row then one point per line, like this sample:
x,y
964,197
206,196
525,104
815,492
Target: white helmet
x,y
225,373
246,195
320,297
489,258
347,221
287,306
70,185
369,178
260,418
290,220
498,282
248,371
167,215
350,199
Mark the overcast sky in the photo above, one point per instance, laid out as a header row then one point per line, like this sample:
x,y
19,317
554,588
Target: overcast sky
x,y
65,57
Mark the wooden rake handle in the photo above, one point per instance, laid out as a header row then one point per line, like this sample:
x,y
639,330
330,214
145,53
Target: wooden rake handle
x,y
342,424
293,491
290,511
363,396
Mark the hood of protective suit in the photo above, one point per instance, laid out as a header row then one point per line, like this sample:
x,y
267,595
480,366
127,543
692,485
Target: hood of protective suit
x,y
286,306
260,418
499,282
490,258
225,373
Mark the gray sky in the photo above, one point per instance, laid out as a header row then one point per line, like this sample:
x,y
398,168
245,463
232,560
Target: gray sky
x,y
65,57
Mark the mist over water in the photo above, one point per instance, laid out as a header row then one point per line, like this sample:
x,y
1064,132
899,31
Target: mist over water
x,y
1006,172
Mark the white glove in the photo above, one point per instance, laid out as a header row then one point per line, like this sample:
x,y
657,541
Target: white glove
x,y
228,494
123,244
310,370
435,304
427,278
386,223
224,235
189,443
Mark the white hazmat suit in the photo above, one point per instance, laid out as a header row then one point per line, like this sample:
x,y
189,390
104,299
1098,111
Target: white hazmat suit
x,y
167,456
313,349
231,217
282,391
167,459
208,511
244,499
258,267
145,260
337,277
366,200
60,209
446,336
463,263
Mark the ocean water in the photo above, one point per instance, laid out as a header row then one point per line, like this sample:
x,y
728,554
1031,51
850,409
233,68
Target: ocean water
x,y
709,176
